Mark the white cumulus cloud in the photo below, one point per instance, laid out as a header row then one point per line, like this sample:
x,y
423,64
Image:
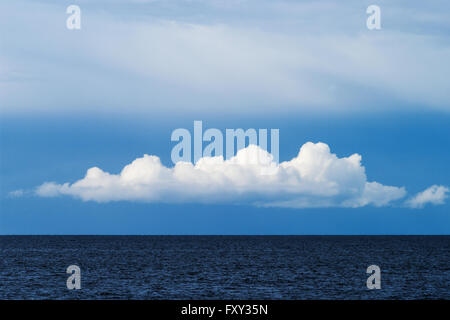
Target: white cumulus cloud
x,y
434,195
314,178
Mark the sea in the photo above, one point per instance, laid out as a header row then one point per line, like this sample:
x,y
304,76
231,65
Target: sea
x,y
225,267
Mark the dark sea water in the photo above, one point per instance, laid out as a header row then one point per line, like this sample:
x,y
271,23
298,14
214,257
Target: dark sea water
x,y
225,267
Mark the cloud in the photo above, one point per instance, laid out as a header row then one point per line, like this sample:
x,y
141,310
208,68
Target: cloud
x,y
314,178
246,56
435,195
16,193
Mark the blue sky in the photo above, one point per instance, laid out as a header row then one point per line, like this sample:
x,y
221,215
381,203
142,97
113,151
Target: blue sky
x,y
113,91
